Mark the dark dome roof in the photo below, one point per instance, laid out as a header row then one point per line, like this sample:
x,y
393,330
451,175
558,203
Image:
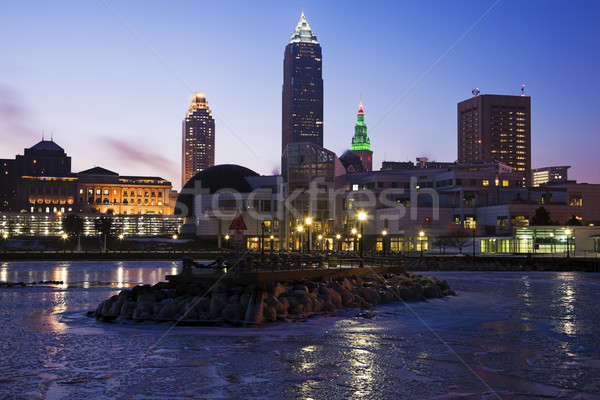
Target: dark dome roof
x,y
224,176
47,145
351,161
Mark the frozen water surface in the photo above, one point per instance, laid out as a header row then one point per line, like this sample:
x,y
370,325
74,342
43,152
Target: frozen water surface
x,y
530,335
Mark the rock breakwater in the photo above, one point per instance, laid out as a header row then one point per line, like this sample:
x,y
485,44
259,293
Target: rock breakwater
x,y
251,304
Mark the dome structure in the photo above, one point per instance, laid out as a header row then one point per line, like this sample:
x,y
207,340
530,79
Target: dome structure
x,y
219,177
352,162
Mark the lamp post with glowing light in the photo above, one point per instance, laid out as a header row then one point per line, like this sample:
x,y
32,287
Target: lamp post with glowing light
x,y
227,240
308,222
262,240
338,239
421,236
64,243
383,241
354,232
299,229
320,239
568,233
4,239
362,217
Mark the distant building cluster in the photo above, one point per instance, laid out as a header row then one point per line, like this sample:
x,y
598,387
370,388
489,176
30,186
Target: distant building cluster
x,y
490,190
38,189
321,200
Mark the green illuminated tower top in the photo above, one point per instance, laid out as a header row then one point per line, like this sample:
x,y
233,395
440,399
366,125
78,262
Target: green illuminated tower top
x,y
360,141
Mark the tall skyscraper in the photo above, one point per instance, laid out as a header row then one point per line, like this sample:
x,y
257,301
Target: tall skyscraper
x,y
361,144
198,143
302,94
496,128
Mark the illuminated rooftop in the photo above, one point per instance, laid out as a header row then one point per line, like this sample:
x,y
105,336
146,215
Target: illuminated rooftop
x,y
303,33
198,102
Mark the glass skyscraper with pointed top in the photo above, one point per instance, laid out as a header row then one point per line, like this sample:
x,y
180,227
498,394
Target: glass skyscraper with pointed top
x,y
302,94
198,144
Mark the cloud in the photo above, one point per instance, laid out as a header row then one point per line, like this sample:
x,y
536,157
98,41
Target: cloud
x,y
134,154
15,117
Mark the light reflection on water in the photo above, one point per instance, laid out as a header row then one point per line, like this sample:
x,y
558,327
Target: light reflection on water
x,y
567,299
119,274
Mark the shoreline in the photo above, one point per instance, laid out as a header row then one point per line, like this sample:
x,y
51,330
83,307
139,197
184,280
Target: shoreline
x,y
412,263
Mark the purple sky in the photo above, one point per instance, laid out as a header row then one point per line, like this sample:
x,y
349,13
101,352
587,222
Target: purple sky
x,y
112,80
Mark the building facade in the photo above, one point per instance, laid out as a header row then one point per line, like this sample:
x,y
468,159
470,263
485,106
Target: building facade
x,y
44,159
361,144
555,174
15,225
198,138
496,128
302,93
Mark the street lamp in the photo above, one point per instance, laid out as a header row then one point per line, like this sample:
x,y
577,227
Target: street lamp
x,y
320,239
421,235
226,240
383,244
308,221
300,229
354,232
121,236
568,233
175,237
362,217
338,238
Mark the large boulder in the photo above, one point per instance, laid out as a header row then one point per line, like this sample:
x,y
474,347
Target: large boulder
x,y
233,313
347,297
143,311
169,311
370,295
218,301
127,309
254,312
431,291
270,313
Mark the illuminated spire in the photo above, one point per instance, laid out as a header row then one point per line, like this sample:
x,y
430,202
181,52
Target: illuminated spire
x,y
303,33
360,141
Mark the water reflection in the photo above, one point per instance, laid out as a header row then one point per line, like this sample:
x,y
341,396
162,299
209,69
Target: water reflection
x,y
120,277
60,300
89,274
567,297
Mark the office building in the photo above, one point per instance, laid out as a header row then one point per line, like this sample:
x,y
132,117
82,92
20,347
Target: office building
x,y
302,94
198,138
496,128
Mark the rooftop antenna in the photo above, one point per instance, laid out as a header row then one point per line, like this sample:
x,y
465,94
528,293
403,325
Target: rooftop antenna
x,y
522,89
52,136
42,135
475,92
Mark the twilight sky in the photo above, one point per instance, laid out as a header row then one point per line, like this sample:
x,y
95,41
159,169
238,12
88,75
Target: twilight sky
x,y
112,80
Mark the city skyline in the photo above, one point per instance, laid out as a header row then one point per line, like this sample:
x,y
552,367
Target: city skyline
x,y
247,105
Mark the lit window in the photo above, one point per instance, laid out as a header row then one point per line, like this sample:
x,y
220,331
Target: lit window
x,y
485,182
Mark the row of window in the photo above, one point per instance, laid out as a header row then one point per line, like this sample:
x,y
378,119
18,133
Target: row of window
x,y
131,193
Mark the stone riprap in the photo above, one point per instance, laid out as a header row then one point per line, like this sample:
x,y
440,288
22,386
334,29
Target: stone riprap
x,y
253,304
